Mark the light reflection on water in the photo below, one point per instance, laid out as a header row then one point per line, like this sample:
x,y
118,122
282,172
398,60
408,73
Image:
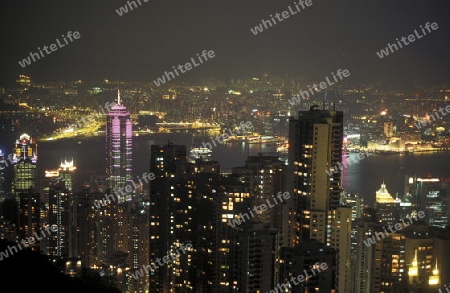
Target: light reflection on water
x,y
363,177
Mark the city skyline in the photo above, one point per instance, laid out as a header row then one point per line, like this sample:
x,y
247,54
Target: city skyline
x,y
292,146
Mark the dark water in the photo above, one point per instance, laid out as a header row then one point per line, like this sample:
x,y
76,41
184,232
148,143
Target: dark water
x,y
363,177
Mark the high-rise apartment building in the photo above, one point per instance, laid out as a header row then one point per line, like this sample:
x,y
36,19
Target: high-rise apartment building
x,y
171,217
315,145
265,175
314,177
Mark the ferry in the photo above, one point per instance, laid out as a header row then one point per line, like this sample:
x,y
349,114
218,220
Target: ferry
x,y
200,153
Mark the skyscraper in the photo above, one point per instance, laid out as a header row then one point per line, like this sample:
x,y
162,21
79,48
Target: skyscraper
x,y
62,210
387,207
24,185
24,161
171,217
119,136
315,144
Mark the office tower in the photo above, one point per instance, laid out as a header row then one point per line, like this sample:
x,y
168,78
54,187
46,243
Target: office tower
x,y
430,194
171,214
119,136
387,207
315,146
25,162
58,214
62,211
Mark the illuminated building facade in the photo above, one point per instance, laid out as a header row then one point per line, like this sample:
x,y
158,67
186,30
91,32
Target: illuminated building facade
x,y
171,217
300,260
387,207
62,211
429,194
25,163
24,185
219,199
256,252
265,177
119,137
315,145
3,165
367,259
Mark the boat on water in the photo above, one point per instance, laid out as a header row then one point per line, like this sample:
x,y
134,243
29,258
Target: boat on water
x,y
197,153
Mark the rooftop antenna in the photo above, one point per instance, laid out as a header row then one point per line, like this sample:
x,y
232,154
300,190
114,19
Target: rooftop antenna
x,y
334,100
118,93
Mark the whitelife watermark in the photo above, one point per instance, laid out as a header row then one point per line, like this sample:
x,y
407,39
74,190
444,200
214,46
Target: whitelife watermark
x,y
243,127
27,61
421,123
31,240
348,162
8,158
124,9
165,260
411,38
397,227
259,209
284,287
285,15
108,198
319,87
188,66
446,287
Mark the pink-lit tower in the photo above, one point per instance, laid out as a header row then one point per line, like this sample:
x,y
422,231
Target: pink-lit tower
x,y
119,136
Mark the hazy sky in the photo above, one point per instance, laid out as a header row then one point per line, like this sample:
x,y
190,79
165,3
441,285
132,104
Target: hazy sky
x,y
143,43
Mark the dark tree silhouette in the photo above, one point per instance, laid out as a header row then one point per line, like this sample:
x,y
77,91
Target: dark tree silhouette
x,y
29,270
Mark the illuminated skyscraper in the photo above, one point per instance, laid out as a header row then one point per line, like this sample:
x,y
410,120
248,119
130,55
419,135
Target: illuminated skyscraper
x,y
24,185
387,207
119,136
62,211
315,144
171,217
24,161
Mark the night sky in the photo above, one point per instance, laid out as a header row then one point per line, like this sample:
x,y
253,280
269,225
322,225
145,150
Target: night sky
x,y
143,43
